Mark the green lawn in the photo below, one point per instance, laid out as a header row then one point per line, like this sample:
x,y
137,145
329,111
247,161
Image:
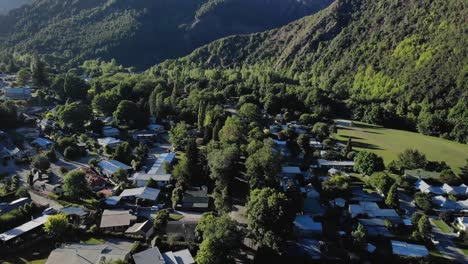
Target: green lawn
x,y
465,251
93,241
175,217
442,226
389,142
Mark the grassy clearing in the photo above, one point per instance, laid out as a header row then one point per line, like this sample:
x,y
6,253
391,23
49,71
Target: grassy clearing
x,y
389,142
93,241
175,217
442,226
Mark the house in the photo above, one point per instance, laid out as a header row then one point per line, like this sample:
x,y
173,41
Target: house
x,y
116,220
17,93
462,223
409,250
359,195
424,187
109,167
375,227
23,229
144,193
8,207
305,247
290,172
312,206
108,142
113,200
7,149
315,144
157,172
86,253
108,131
144,229
305,225
184,229
460,190
75,214
447,204
95,182
195,199
322,163
421,174
45,186
149,256
144,135
158,167
371,210
178,257
42,143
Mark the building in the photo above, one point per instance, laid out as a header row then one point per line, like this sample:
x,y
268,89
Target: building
x,y
375,227
23,229
145,135
424,187
117,220
371,209
462,223
195,199
45,186
108,142
305,225
290,171
409,250
144,193
144,229
42,143
17,93
86,254
109,167
149,256
156,128
157,172
305,247
8,207
315,144
108,131
340,165
178,257
95,182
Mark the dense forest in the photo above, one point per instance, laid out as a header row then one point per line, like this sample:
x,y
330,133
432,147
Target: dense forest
x,y
7,5
396,63
137,32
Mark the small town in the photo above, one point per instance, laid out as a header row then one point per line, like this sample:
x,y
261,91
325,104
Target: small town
x,y
112,194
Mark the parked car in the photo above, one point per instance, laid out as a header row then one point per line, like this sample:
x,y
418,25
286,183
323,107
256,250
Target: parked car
x,y
49,211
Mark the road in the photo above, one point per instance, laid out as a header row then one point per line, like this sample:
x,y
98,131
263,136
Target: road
x,y
446,245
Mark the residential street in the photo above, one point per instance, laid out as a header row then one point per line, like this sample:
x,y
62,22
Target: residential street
x,y
446,245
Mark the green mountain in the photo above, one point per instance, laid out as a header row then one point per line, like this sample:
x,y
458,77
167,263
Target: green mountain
x,y
401,62
139,32
7,5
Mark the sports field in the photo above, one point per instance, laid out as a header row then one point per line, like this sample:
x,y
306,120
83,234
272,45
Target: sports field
x,y
389,142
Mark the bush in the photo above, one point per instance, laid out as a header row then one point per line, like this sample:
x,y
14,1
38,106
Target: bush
x,y
72,153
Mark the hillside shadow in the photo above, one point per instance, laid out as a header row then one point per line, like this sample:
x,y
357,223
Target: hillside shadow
x,y
371,132
363,145
351,137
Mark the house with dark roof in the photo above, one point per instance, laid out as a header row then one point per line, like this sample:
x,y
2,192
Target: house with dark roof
x,y
144,229
109,167
117,220
195,199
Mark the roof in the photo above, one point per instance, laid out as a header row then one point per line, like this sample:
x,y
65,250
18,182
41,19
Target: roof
x,y
178,257
306,223
158,166
43,142
108,141
303,247
86,254
142,193
371,209
145,226
312,206
411,250
73,211
149,256
111,166
11,90
115,218
323,162
113,200
17,231
291,170
145,177
196,198
358,194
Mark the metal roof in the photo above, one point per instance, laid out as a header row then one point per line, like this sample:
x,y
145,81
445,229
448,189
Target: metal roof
x,y
142,192
17,231
411,250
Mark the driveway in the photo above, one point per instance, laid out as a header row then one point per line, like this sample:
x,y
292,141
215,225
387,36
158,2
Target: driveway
x,y
446,245
189,216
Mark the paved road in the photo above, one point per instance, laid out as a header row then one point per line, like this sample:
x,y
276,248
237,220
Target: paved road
x,y
446,245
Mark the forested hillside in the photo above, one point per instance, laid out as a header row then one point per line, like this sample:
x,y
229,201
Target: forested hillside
x,y
139,32
401,63
7,5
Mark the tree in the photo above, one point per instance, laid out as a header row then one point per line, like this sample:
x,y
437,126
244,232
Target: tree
x,y
39,72
411,159
181,171
249,112
120,176
177,195
123,153
178,136
106,102
349,146
128,114
192,155
368,163
221,239
222,200
41,163
75,185
269,217
74,87
23,76
464,172
423,201
392,197
448,177
74,115
303,140
359,236
161,219
232,131
321,131
263,167
424,226
381,181
336,185
152,183
56,225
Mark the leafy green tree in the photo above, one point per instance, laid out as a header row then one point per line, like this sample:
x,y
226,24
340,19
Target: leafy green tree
x,y
392,197
178,136
39,71
381,181
368,163
161,219
336,185
23,76
74,116
106,103
359,236
321,131
448,177
123,153
411,159
128,114
222,200
120,176
181,171
41,163
249,112
232,131
74,87
269,217
424,226
423,201
223,164
303,141
75,185
152,183
177,195
221,240
263,167
56,225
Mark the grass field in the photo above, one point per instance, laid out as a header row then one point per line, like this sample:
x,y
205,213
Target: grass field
x,y
442,226
389,142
